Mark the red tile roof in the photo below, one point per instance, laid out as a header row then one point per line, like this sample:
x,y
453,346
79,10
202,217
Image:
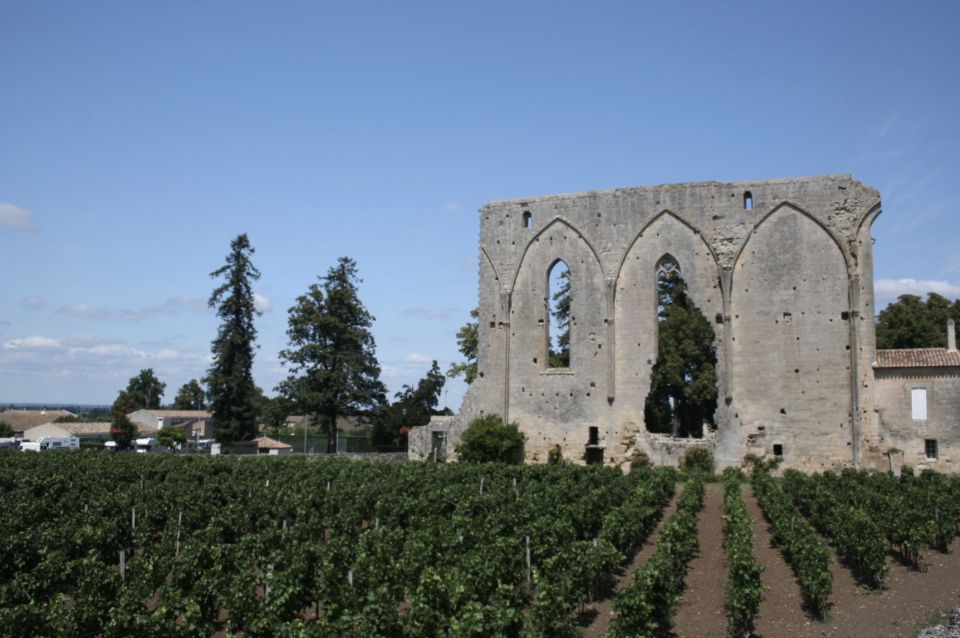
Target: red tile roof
x,y
917,358
266,443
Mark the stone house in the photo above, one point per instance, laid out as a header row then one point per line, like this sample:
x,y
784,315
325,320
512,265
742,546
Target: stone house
x,y
22,420
783,271
85,431
197,424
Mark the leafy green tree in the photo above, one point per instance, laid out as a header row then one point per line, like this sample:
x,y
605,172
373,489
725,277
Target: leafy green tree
x,y
122,430
232,394
190,396
911,322
146,390
489,440
272,412
6,430
412,407
332,353
467,342
172,437
683,383
559,356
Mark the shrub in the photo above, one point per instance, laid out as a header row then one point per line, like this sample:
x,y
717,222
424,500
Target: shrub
x,y
555,455
488,439
6,430
697,458
639,460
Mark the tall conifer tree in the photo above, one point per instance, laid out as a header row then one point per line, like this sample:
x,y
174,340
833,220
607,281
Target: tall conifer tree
x,y
683,381
232,393
332,353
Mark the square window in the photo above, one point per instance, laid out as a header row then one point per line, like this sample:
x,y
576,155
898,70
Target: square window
x,y
778,450
930,448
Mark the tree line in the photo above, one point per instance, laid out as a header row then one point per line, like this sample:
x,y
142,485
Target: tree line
x,y
330,358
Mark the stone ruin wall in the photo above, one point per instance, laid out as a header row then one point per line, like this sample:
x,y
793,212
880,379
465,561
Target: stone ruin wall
x,y
786,284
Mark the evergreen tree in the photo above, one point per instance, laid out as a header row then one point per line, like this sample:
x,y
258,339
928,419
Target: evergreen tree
x,y
146,390
122,430
332,353
232,393
911,322
467,342
190,396
412,407
560,355
683,383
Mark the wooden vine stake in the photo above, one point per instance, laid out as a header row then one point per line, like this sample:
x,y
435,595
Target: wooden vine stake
x,y
481,486
123,565
529,572
179,522
133,518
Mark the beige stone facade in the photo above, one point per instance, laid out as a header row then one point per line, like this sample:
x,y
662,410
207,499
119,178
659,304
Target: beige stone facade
x,y
781,268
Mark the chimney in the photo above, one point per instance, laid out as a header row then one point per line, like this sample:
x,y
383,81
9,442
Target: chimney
x,y
951,336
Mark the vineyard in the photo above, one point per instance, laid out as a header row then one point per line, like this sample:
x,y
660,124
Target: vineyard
x,y
126,545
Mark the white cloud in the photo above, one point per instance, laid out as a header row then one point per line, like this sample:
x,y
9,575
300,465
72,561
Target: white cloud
x,y
4,321
430,313
174,305
32,343
887,290
261,302
451,206
15,218
34,302
86,357
83,310
417,358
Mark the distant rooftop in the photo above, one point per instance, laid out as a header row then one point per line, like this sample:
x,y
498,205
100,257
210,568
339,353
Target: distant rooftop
x,y
917,358
24,419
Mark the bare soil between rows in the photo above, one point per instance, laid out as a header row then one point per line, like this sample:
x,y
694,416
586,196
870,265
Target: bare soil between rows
x,y
910,601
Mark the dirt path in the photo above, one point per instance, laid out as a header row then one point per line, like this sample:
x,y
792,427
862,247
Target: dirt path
x,y
597,615
701,610
781,609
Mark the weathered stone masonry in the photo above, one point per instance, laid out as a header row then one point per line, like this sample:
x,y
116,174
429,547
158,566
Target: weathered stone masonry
x,y
782,268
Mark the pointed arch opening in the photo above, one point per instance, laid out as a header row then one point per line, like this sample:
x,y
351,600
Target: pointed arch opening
x,y
559,303
683,381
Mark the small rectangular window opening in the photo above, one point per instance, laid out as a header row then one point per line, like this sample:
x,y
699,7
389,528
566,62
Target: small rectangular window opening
x,y
527,219
930,448
594,438
778,450
747,200
918,404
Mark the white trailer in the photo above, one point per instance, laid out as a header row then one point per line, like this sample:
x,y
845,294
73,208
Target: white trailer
x,y
51,443
149,445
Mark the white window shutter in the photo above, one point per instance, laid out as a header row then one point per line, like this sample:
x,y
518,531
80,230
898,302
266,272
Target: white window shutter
x,y
918,403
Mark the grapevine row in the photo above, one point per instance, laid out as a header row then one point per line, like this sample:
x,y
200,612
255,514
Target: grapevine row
x,y
802,546
853,531
645,607
744,590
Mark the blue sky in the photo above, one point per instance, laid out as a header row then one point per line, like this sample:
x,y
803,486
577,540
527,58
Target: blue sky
x,y
137,139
